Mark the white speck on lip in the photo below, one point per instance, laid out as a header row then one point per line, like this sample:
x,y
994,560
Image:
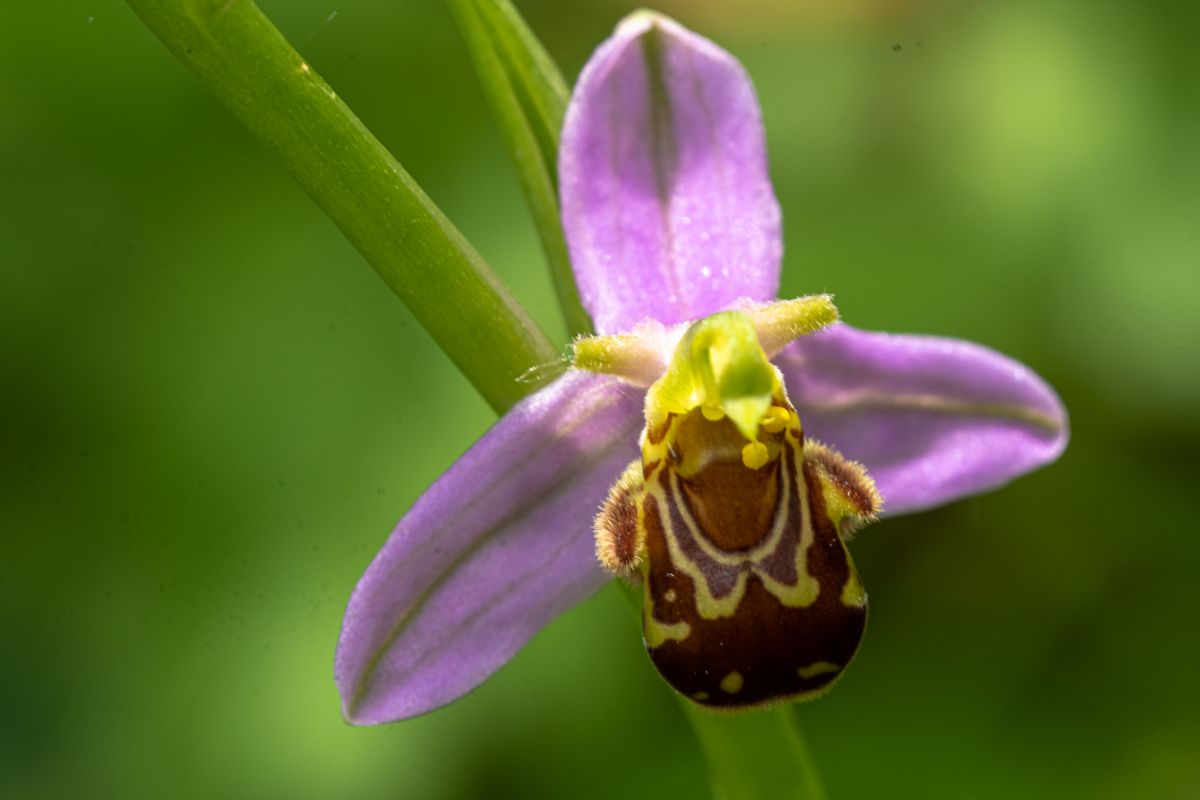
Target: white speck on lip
x,y
705,271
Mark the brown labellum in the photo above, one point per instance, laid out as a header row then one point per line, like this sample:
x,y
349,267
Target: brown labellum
x,y
750,594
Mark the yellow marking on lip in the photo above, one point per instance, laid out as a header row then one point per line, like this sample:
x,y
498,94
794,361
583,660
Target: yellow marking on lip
x,y
701,696
659,633
759,552
732,683
707,605
800,594
806,588
656,632
853,594
817,668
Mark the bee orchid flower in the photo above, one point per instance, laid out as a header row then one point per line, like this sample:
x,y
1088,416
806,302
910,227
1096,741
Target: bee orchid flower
x,y
730,443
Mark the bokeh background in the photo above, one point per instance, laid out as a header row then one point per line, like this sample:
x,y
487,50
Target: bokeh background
x,y
213,412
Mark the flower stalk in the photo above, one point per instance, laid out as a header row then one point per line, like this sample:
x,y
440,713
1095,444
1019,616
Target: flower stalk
x,y
760,755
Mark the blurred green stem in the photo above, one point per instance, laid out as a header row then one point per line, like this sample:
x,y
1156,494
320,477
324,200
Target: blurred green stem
x,y
753,755
417,251
528,98
756,754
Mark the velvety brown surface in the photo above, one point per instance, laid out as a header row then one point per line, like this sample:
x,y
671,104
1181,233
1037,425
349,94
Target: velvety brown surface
x,y
763,641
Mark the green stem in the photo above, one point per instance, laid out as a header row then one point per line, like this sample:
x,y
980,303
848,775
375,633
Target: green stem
x,y
757,754
417,251
528,98
752,755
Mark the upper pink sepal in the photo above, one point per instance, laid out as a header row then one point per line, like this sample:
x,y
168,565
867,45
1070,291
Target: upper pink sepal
x,y
667,207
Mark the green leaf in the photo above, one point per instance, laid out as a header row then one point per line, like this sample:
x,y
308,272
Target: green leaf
x,y
528,98
418,252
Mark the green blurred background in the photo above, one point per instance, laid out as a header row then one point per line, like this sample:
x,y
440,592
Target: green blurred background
x,y
213,411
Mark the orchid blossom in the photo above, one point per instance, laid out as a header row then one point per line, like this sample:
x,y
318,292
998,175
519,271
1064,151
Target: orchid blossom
x,y
769,430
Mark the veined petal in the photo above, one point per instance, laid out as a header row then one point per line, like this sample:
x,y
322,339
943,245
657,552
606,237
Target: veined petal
x,y
932,419
495,549
667,206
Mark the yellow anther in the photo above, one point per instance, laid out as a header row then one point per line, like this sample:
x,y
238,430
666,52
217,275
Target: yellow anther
x,y
776,419
712,413
754,455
